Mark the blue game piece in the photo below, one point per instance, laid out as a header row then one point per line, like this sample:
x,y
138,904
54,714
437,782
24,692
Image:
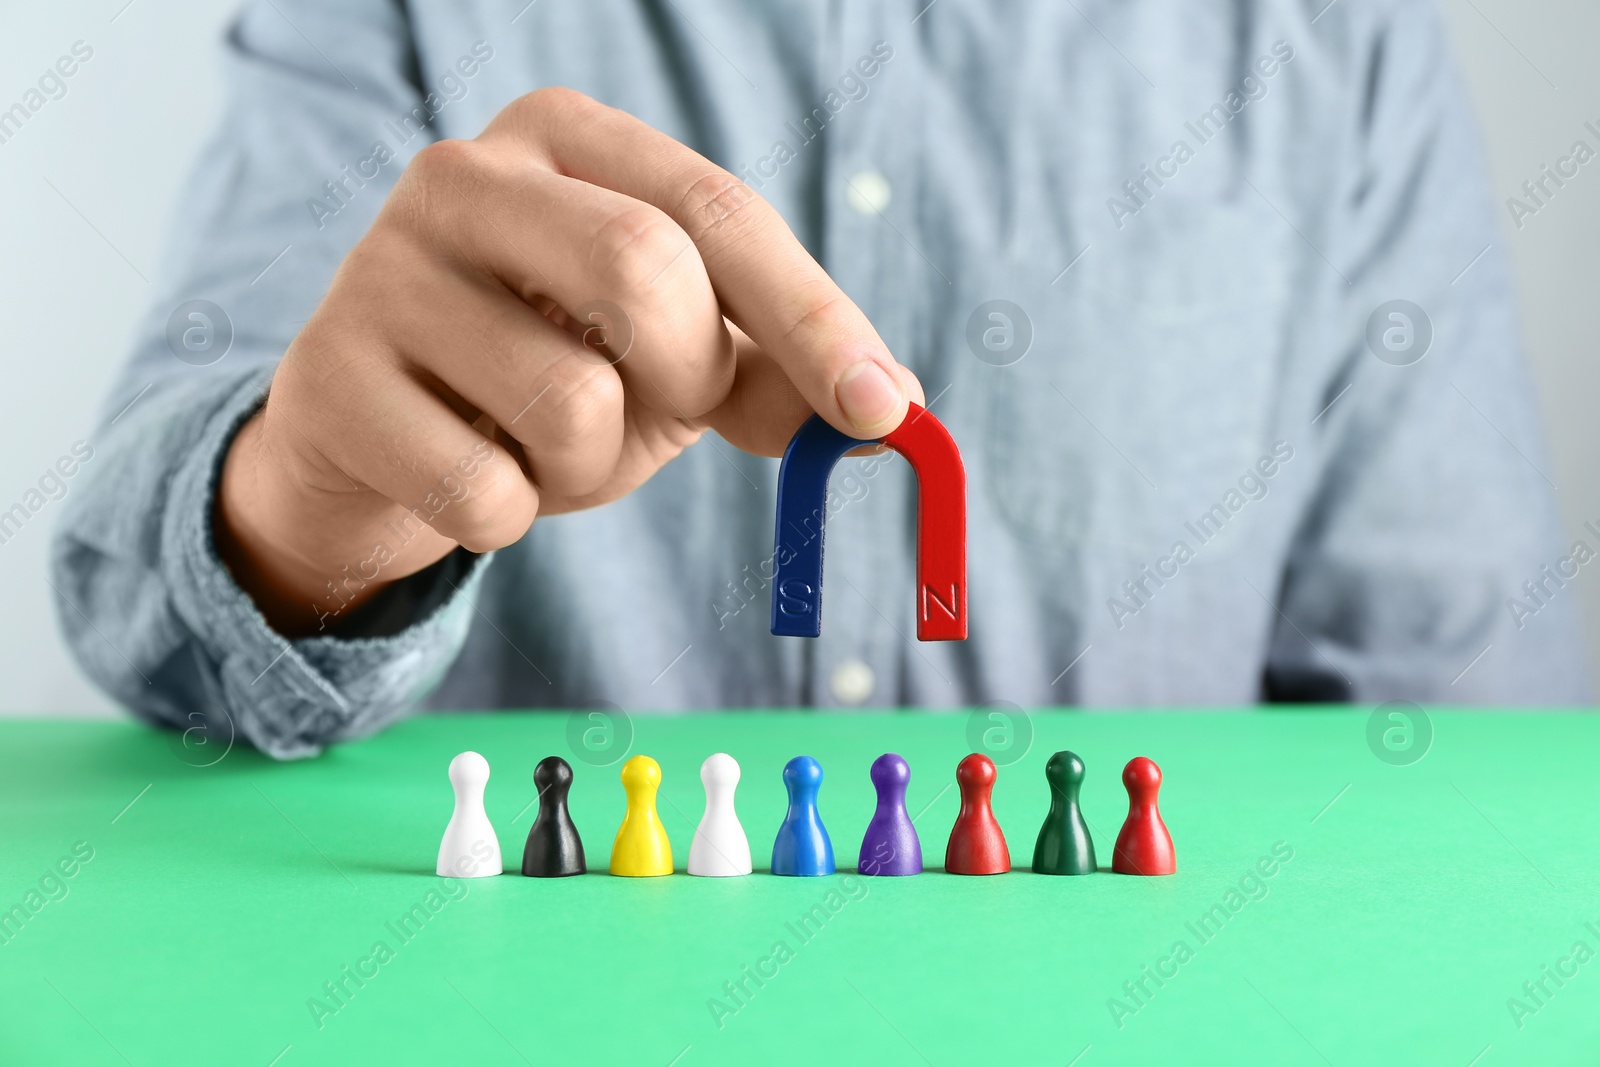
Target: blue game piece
x,y
802,847
802,506
890,845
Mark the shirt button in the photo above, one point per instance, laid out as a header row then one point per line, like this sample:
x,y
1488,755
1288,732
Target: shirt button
x,y
867,192
852,682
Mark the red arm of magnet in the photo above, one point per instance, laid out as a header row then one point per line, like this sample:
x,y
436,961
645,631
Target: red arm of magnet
x,y
941,524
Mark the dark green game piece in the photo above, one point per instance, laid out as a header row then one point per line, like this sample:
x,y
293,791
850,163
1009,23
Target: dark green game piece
x,y
1064,845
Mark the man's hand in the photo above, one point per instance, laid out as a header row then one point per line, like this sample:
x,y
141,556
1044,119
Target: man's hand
x,y
470,354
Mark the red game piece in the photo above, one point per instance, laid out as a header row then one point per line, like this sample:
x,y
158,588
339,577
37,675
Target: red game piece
x,y
1143,846
976,844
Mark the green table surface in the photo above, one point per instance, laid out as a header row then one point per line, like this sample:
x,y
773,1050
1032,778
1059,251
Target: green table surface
x,y
219,900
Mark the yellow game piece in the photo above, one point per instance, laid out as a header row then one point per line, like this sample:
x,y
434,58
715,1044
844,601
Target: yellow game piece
x,y
642,849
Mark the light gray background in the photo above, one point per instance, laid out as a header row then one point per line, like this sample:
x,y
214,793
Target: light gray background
x,y
91,183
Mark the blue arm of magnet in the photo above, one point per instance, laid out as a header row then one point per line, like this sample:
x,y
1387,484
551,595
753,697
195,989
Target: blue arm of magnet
x,y
802,509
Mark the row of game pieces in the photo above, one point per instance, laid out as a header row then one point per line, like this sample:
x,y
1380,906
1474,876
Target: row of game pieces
x,y
720,848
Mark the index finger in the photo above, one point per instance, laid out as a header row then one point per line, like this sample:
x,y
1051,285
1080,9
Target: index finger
x,y
765,280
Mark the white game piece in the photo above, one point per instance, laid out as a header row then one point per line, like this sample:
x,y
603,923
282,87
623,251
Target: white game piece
x,y
470,848
720,848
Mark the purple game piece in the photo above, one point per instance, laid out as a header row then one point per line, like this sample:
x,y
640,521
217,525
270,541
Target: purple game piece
x,y
890,846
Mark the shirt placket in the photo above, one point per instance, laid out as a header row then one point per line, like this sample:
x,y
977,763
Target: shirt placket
x,y
866,220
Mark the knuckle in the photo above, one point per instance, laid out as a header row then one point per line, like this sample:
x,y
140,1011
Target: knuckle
x,y
552,100
703,379
716,202
429,196
583,394
447,160
497,510
531,116
633,246
822,314
536,115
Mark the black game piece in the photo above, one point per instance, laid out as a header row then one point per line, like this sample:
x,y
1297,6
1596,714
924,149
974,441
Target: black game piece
x,y
554,849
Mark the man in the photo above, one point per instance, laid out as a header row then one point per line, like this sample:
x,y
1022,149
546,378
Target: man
x,y
1201,291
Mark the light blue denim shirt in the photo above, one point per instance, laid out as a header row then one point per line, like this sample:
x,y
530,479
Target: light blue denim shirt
x,y
1209,293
